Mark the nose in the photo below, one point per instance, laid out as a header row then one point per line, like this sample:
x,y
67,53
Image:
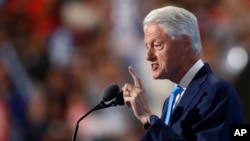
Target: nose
x,y
150,56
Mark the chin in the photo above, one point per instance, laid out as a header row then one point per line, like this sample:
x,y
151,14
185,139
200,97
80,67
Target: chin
x,y
156,76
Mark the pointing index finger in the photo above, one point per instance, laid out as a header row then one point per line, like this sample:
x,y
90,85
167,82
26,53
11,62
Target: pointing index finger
x,y
132,72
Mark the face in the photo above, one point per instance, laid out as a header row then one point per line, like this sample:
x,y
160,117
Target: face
x,y
163,52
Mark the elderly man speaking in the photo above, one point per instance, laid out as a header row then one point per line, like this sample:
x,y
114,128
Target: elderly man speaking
x,y
201,106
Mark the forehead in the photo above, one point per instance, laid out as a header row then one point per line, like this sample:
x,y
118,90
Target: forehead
x,y
153,32
153,28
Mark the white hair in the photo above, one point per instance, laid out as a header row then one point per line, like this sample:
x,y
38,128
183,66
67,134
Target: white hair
x,y
175,22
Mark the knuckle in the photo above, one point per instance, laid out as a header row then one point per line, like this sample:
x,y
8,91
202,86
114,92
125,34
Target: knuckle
x,y
139,90
125,86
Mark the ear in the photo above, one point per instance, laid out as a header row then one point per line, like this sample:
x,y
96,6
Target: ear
x,y
186,43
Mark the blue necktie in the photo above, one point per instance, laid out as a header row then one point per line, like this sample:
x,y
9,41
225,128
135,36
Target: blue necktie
x,y
176,90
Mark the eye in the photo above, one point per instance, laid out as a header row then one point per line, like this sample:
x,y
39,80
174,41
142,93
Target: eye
x,y
158,46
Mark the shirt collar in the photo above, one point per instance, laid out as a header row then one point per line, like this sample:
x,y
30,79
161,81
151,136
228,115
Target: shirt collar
x,y
185,81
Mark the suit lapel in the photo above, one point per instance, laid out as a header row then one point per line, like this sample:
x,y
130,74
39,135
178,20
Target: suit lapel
x,y
192,92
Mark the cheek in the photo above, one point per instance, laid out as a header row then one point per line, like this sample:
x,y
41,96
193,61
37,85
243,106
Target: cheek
x,y
164,54
163,61
167,60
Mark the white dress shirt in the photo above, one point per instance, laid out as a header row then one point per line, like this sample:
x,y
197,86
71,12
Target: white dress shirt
x,y
185,81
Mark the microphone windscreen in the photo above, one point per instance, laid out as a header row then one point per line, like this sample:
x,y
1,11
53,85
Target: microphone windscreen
x,y
119,98
111,92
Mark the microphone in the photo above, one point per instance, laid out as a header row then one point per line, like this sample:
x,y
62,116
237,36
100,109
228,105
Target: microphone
x,y
110,93
119,98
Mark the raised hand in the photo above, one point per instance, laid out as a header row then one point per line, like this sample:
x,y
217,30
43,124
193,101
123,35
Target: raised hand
x,y
135,98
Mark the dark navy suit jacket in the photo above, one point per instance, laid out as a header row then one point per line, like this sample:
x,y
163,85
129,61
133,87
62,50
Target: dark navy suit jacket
x,y
207,109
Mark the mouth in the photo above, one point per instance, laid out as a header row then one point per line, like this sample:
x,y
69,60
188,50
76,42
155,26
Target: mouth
x,y
154,66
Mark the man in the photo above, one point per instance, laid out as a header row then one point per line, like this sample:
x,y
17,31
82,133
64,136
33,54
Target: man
x,y
206,104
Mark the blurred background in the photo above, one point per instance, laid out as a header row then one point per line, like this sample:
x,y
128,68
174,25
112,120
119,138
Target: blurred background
x,y
58,56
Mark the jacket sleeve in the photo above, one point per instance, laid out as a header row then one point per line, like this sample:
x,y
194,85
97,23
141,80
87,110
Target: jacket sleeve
x,y
161,132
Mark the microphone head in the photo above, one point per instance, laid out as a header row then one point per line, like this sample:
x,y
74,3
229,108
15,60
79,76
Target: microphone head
x,y
119,98
111,92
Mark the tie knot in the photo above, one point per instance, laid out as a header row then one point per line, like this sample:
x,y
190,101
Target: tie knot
x,y
176,90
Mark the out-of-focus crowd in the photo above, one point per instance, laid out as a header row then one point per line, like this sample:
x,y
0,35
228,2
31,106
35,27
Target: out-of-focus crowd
x,y
58,56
